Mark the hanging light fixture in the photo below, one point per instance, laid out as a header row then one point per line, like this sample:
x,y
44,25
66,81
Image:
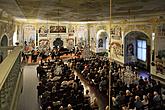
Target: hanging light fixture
x,y
58,20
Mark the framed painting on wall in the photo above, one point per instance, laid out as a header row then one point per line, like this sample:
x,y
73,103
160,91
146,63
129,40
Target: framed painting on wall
x,y
57,29
100,43
44,44
43,30
70,42
42,35
71,29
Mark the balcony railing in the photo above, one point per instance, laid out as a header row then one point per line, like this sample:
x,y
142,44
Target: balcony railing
x,y
10,80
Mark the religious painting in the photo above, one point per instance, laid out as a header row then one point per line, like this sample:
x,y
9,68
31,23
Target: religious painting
x,y
71,29
57,29
44,44
117,49
130,49
43,30
70,42
160,62
100,43
160,50
43,35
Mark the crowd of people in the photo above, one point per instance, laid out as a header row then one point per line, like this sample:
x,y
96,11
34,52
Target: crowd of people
x,y
60,89
95,71
140,93
129,91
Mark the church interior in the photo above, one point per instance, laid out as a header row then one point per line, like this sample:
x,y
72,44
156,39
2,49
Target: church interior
x,y
82,55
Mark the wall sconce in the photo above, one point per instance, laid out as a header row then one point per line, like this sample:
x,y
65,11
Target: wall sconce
x,y
153,36
122,36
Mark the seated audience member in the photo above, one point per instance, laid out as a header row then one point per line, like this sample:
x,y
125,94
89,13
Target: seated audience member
x,y
61,108
145,102
107,107
64,93
39,69
157,101
40,89
69,107
49,108
163,100
94,104
138,103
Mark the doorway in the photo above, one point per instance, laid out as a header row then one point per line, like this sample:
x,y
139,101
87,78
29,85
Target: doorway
x,y
4,51
4,41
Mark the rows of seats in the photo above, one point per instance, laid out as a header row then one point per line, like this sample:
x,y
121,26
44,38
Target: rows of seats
x,y
95,71
128,89
60,89
134,91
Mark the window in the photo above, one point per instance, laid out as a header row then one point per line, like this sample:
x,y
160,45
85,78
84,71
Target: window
x,y
141,49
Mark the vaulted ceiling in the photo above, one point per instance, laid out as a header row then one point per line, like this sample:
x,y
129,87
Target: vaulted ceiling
x,y
82,10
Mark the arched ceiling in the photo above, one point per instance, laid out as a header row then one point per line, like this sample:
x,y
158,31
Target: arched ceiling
x,y
82,10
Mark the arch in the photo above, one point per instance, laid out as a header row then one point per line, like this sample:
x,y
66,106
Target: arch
x,y
4,41
131,51
102,41
143,34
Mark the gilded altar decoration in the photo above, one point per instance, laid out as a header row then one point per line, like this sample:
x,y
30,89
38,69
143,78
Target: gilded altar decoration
x,y
117,49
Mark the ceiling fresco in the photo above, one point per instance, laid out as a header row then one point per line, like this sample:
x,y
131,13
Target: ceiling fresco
x,y
82,10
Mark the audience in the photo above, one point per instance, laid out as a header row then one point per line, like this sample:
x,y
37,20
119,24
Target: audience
x,y
128,90
60,89
65,91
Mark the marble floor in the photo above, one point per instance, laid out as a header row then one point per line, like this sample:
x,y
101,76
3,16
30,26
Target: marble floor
x,y
28,99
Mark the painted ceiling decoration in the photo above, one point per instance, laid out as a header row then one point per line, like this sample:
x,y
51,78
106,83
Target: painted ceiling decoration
x,y
82,10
